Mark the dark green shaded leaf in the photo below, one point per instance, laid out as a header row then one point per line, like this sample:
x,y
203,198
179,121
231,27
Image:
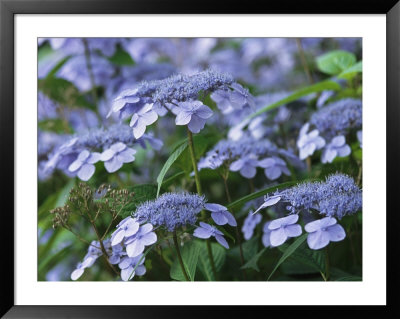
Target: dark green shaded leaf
x,y
173,157
190,254
288,252
219,254
252,263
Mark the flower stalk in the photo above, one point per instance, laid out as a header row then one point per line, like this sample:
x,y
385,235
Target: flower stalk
x,y
199,191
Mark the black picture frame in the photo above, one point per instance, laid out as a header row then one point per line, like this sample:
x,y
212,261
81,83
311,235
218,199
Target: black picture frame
x,y
8,10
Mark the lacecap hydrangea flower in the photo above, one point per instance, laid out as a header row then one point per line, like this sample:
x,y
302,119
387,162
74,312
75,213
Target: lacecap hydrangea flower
x,y
206,231
180,94
171,210
322,231
78,153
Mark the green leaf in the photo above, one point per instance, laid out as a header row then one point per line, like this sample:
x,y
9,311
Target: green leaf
x,y
173,157
143,193
314,88
190,254
167,182
57,67
289,251
247,198
54,125
312,258
335,62
64,92
349,72
121,57
252,263
219,254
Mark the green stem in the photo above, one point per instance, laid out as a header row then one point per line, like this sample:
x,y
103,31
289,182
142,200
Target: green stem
x,y
194,163
199,191
178,252
304,61
326,264
228,195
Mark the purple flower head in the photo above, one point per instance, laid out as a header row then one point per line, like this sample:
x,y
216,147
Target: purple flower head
x,y
337,147
116,156
246,165
144,117
83,165
144,237
193,114
220,214
269,201
308,143
127,228
274,167
283,228
171,210
338,117
128,265
206,231
251,221
338,196
323,231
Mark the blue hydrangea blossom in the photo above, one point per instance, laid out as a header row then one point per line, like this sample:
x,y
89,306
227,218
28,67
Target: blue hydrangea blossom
x,y
193,114
308,143
220,214
206,231
274,167
131,267
116,156
283,228
143,237
322,231
249,224
337,147
83,166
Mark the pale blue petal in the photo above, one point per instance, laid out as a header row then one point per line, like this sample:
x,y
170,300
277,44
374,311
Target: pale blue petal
x,y
113,165
278,237
318,239
135,248
336,233
196,124
86,172
230,218
149,239
222,241
219,218
77,273
293,230
201,232
248,171
183,118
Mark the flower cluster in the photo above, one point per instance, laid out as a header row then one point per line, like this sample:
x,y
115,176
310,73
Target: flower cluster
x,y
171,210
246,154
179,94
80,152
332,123
336,197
